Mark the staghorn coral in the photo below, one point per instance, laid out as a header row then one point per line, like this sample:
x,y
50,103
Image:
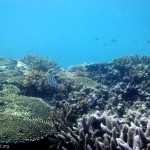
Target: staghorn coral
x,y
126,78
99,130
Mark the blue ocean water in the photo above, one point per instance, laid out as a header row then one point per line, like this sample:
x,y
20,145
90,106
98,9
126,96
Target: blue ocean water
x,y
74,31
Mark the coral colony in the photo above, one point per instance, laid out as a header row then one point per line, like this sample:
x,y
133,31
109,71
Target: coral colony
x,y
93,106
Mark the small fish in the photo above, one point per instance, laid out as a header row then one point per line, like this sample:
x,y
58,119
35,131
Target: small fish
x,y
113,40
96,39
52,81
105,44
148,42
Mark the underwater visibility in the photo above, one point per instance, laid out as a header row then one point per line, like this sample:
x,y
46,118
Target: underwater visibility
x,y
88,106
75,75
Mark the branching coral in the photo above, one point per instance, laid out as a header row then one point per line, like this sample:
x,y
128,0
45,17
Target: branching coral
x,y
97,106
100,131
40,63
126,77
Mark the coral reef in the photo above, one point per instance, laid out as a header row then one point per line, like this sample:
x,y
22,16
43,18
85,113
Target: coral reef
x,y
78,70
3,63
22,118
36,75
40,64
127,78
100,130
35,82
9,89
102,106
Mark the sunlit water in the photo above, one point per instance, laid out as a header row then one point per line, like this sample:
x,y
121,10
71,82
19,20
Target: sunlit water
x,y
74,31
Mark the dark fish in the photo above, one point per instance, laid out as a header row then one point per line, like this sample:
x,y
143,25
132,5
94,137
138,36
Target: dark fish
x,y
135,41
113,40
105,44
96,39
52,81
148,42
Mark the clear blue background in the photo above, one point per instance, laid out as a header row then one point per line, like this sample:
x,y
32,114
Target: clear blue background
x,y
74,31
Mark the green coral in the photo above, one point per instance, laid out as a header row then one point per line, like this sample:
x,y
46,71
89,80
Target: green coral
x,y
4,61
80,67
10,77
78,70
87,82
10,89
23,118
